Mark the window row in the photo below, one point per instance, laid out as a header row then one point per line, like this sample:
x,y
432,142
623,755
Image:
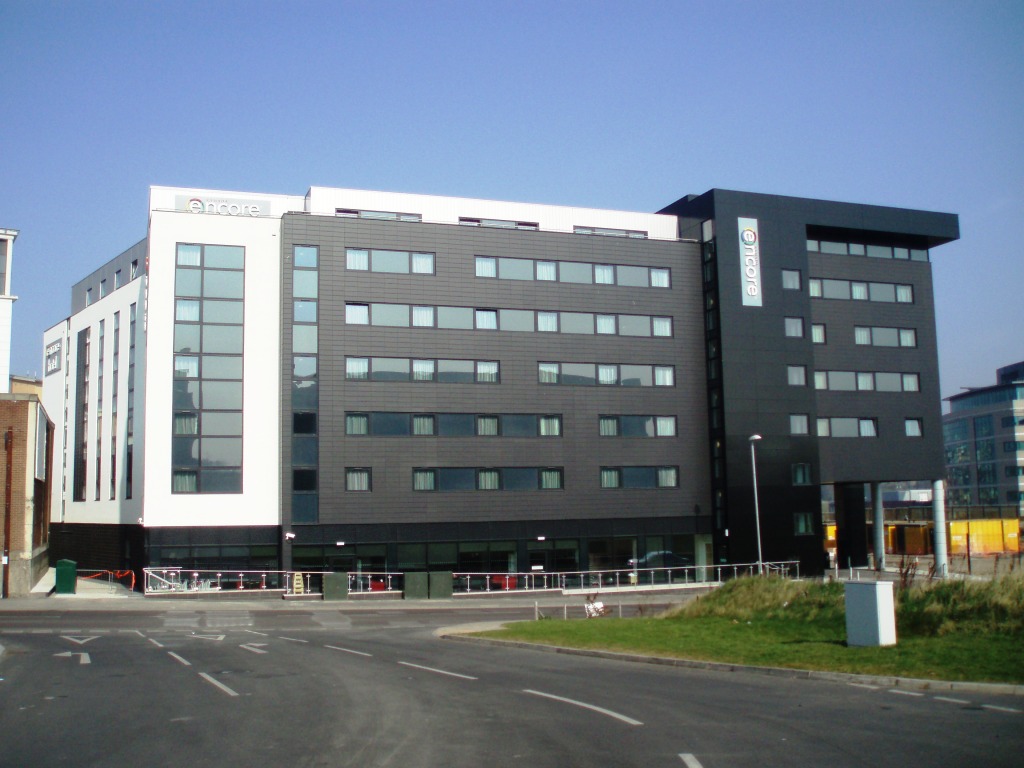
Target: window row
x,y
467,221
209,283
639,477
842,426
573,272
606,374
352,213
406,369
206,480
610,232
855,381
390,424
884,337
207,311
206,452
487,479
637,426
211,256
872,251
213,366
395,262
523,320
821,288
216,423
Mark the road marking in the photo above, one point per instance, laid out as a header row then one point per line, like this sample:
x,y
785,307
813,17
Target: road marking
x,y
690,760
173,655
83,658
864,685
993,707
584,705
905,693
438,671
208,637
952,701
292,639
157,643
254,632
79,640
348,650
254,647
137,632
218,683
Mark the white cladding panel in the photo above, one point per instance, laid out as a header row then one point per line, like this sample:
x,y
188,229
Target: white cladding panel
x,y
53,401
182,199
258,504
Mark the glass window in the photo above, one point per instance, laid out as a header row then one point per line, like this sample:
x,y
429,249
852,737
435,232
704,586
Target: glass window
x,y
220,452
824,428
547,270
888,382
547,322
186,310
911,382
222,366
424,480
389,369
224,256
185,481
575,272
668,477
423,424
604,274
796,375
636,376
304,340
423,317
487,425
389,424
579,374
550,479
222,395
576,322
845,427
304,423
305,256
550,426
423,263
607,374
883,292
865,381
856,249
664,376
188,282
659,277
791,279
223,285
606,324
186,366
455,371
486,266
801,474
357,314
521,320
608,426
803,524
423,370
486,372
455,317
912,427
547,373
391,315
189,255
227,339
837,248
394,262
488,480
634,325
661,326
835,289
304,366
611,477
304,284
222,423
817,333
859,291
795,327
520,425
842,381
821,379
905,294
186,424
814,287
456,425
868,428
515,269
487,319
798,424
357,479
901,253
633,276
862,335
357,368
665,426
219,311
908,337
357,259
880,251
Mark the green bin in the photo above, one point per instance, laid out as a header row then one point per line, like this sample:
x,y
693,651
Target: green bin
x,y
416,586
440,585
67,577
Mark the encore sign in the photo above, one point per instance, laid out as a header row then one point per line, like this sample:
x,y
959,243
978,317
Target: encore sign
x,y
223,206
750,262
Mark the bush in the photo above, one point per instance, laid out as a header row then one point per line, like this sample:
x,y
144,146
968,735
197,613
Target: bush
x,y
944,607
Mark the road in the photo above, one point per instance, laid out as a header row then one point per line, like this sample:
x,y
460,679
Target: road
x,y
232,685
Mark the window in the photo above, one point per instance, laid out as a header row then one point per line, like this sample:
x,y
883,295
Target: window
x,y
801,474
423,370
547,322
821,379
908,337
550,426
861,335
604,274
134,272
665,426
668,477
824,428
865,381
550,479
817,333
488,480
547,270
606,324
487,319
803,524
661,326
795,327
486,266
791,279
424,424
357,259
608,426
814,287
608,374
357,368
487,425
88,297
548,373
796,375
660,278
905,294
423,317
611,478
664,376
913,427
486,372
356,424
798,424
423,263
424,480
859,291
357,479
867,427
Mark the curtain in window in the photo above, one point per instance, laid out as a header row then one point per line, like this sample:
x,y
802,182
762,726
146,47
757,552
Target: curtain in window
x,y
824,428
606,324
487,372
357,314
186,367
487,480
423,370
356,424
666,426
607,374
604,274
186,423
487,319
357,258
423,480
911,383
550,478
548,373
423,317
859,291
188,255
547,322
357,479
862,335
662,326
487,425
905,294
608,426
423,263
186,310
609,478
185,481
659,278
550,426
357,368
867,428
423,425
667,477
486,267
546,270
664,376
908,337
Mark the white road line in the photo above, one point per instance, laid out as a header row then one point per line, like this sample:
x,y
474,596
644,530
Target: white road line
x,y
137,632
218,683
157,643
905,693
584,705
254,632
438,671
863,685
348,650
690,760
994,708
252,649
951,701
184,661
292,639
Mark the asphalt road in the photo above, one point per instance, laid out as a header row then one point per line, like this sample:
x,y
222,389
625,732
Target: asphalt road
x,y
233,685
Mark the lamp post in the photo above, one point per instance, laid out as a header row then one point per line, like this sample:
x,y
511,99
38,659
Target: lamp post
x,y
757,512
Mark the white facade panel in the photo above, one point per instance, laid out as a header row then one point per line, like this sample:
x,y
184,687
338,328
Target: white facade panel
x,y
258,504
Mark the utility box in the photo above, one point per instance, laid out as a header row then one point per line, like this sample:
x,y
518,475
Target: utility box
x,y
440,585
335,586
416,586
67,577
870,613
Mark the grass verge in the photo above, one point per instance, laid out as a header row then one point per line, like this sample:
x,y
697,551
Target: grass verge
x,y
946,630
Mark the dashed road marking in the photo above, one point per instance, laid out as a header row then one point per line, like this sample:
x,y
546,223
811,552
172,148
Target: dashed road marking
x,y
863,685
254,632
157,643
584,705
347,650
180,659
437,671
905,693
994,708
690,760
951,700
218,683
254,647
292,639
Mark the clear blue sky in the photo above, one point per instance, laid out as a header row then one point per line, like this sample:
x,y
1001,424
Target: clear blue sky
x,y
606,104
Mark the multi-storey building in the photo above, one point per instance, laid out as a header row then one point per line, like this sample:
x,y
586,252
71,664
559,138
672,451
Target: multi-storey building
x,y
374,380
984,440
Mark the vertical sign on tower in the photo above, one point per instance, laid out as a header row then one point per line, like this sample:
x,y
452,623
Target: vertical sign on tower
x,y
750,262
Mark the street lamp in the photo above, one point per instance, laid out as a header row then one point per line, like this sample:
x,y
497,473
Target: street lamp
x,y
757,512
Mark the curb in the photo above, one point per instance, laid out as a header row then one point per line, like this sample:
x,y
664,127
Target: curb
x,y
901,683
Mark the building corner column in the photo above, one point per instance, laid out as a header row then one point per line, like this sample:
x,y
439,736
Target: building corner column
x,y
939,521
878,526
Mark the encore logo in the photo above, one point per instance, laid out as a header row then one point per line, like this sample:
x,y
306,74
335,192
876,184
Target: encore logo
x,y
222,207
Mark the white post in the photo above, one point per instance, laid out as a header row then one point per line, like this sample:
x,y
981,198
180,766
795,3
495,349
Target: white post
x,y
879,526
939,520
757,512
